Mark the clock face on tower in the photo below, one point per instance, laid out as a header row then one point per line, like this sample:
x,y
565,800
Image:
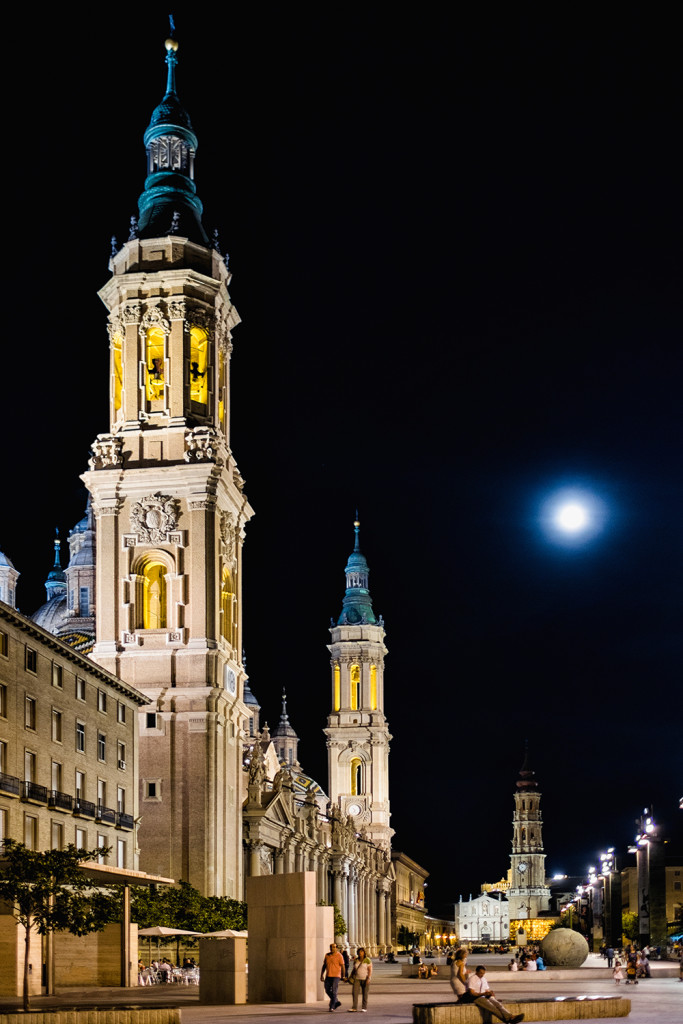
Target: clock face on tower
x,y
521,867
230,681
353,810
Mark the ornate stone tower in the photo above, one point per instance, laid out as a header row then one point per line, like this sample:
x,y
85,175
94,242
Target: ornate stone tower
x,y
357,732
170,516
528,896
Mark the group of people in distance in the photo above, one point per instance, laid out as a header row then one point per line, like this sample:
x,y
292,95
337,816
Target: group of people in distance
x,y
472,987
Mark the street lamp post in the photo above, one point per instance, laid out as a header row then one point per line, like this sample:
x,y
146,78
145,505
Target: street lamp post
x,y
611,898
651,882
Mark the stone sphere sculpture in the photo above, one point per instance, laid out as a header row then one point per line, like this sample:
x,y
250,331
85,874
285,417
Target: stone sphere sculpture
x,y
563,947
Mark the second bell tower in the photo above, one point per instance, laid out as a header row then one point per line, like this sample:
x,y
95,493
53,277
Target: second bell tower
x,y
357,732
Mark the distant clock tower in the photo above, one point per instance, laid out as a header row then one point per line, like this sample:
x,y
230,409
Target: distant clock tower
x,y
528,895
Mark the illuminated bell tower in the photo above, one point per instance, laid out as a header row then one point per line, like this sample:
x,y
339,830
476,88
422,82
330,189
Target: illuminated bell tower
x,y
528,895
357,731
170,515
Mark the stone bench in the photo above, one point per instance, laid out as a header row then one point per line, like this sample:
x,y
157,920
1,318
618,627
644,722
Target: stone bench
x,y
561,1008
95,1015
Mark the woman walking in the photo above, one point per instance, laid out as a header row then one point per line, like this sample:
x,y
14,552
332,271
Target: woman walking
x,y
360,976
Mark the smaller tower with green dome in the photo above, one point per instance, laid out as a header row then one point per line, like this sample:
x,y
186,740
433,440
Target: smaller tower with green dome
x,y
357,732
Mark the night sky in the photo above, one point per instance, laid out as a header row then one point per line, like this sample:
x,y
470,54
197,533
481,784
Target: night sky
x,y
456,255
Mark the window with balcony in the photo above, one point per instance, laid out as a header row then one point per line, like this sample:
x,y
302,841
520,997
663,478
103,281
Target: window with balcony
x,y
29,766
121,755
57,776
101,846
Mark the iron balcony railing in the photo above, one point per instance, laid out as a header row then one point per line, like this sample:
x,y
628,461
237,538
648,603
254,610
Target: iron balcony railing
x,y
124,820
84,808
60,801
10,784
107,815
34,792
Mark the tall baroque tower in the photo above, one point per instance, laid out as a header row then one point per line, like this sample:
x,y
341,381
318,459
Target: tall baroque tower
x,y
170,515
357,731
528,896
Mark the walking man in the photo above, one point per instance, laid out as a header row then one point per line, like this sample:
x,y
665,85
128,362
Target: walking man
x,y
478,992
332,972
609,953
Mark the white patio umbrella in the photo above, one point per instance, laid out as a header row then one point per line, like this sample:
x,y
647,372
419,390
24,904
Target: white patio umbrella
x,y
159,932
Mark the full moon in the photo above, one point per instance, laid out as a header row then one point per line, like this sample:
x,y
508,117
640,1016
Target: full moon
x,y
571,517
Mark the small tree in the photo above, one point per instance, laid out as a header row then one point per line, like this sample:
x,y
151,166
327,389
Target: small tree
x,y
49,892
185,907
630,924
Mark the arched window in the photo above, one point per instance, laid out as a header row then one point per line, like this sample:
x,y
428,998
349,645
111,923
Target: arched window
x,y
356,776
199,378
337,687
155,600
373,687
117,374
221,388
155,364
228,608
354,675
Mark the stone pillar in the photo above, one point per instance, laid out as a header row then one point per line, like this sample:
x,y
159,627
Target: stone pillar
x,y
254,859
279,856
387,909
223,977
382,921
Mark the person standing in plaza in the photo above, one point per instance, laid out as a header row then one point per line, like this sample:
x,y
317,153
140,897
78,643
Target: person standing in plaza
x,y
479,993
360,976
332,972
609,953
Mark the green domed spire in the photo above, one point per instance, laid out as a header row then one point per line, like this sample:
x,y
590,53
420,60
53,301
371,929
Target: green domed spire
x,y
169,203
357,604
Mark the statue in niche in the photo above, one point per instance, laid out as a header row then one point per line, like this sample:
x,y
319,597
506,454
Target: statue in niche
x,y
257,768
196,372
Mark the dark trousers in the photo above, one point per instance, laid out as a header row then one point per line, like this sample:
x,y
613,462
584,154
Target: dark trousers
x,y
331,987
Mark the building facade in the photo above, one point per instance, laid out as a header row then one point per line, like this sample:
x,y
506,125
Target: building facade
x,y
485,918
68,747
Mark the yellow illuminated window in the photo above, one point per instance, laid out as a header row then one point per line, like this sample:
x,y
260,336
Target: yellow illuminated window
x,y
154,360
337,687
221,388
199,382
373,687
228,608
117,369
355,687
356,776
154,601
